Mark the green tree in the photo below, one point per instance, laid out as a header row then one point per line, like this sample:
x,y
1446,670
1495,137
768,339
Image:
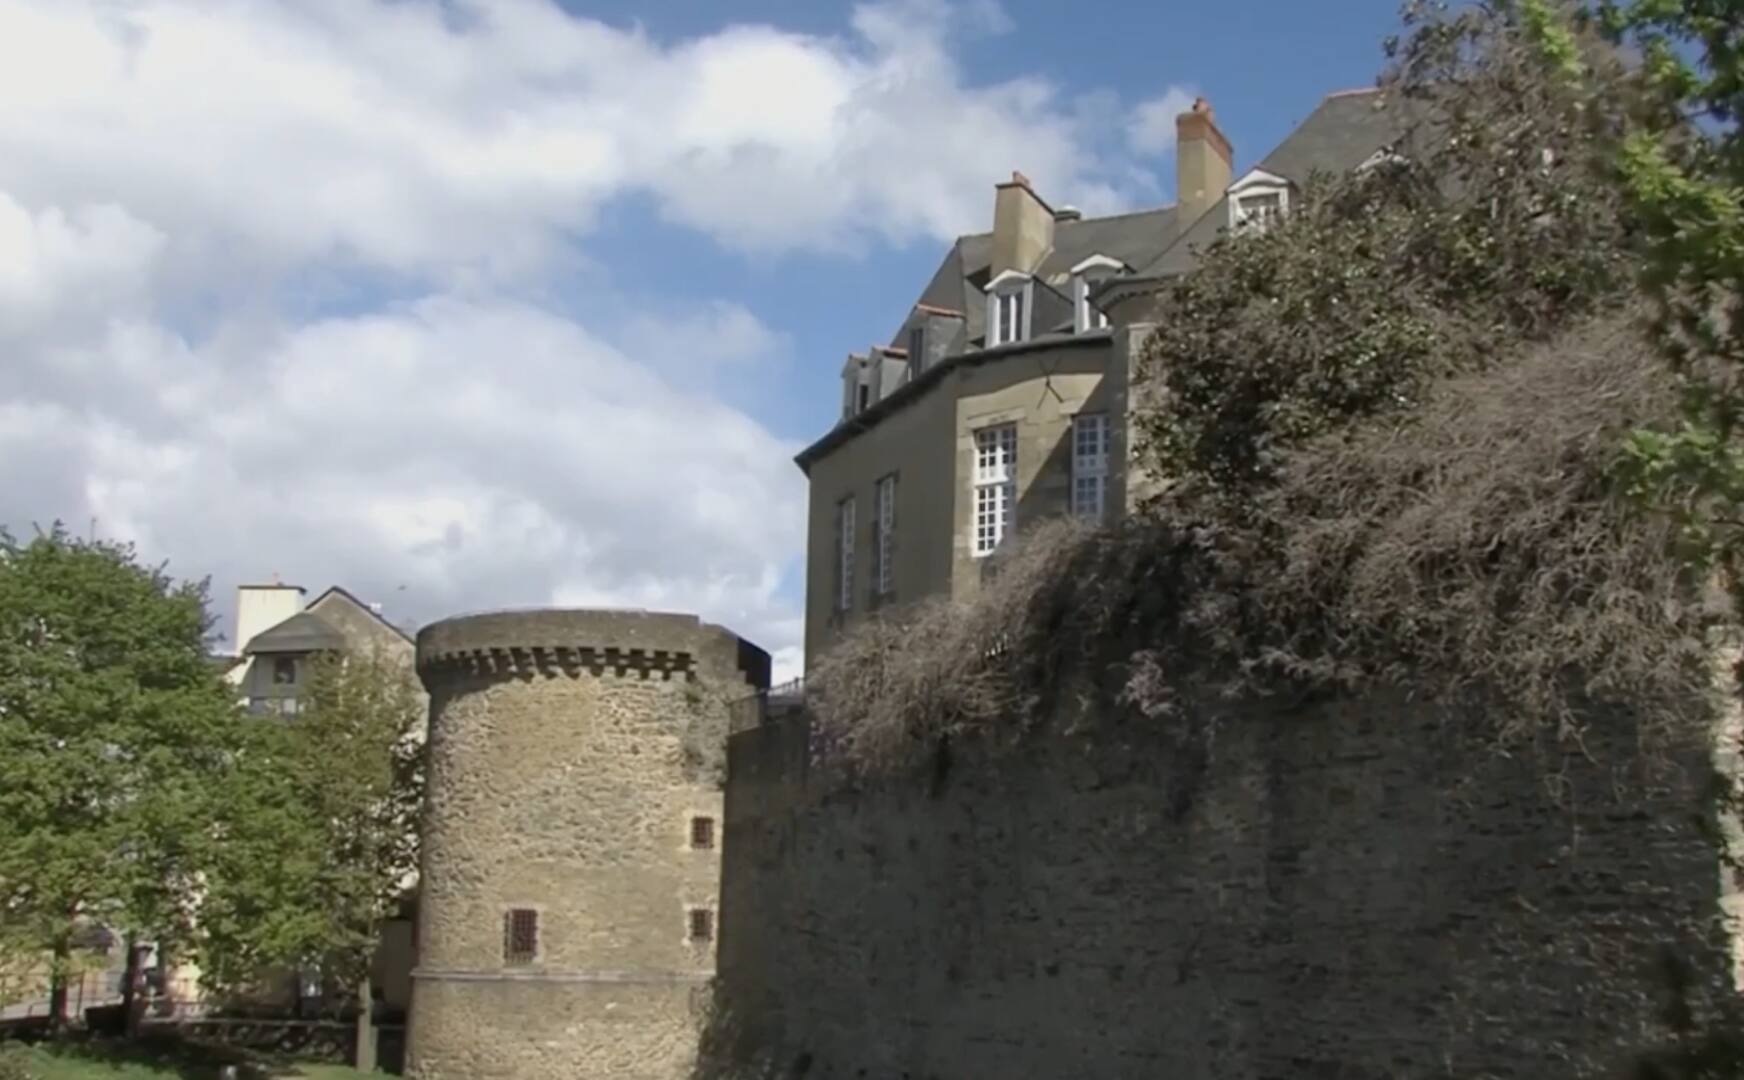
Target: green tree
x,y
115,732
1492,222
1683,172
319,843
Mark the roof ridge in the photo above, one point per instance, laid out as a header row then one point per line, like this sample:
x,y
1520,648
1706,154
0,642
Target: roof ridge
x,y
1080,221
1354,92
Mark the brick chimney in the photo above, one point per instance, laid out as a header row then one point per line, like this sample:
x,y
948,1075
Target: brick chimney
x,y
1023,227
1204,163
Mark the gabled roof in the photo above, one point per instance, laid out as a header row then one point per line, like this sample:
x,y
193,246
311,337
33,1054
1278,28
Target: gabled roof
x,y
301,633
360,606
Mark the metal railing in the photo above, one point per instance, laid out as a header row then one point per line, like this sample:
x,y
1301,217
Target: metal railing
x,y
754,710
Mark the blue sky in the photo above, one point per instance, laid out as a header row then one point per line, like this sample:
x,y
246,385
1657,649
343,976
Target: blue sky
x,y
1262,65
467,304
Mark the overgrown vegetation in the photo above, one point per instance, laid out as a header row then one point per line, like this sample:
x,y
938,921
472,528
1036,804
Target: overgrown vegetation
x,y
1491,224
1390,428
1683,175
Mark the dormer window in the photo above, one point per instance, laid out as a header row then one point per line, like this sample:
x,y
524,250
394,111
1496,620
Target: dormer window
x,y
856,386
1258,200
916,349
1085,277
1008,308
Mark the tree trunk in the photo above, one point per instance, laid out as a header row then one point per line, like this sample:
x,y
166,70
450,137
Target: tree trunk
x,y
132,1001
57,992
365,1062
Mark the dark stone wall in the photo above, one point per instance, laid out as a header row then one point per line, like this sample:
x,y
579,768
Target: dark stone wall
x,y
1362,890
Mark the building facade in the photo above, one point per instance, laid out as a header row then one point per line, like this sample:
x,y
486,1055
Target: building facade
x,y
1002,397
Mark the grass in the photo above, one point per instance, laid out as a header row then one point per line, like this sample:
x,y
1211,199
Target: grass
x,y
98,1060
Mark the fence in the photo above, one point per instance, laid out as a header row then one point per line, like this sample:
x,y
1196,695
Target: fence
x,y
89,990
754,710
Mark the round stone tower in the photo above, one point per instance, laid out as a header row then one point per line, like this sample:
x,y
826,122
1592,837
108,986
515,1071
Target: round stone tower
x,y
572,830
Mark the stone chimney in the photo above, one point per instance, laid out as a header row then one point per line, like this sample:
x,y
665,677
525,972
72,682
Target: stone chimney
x,y
1023,227
1204,163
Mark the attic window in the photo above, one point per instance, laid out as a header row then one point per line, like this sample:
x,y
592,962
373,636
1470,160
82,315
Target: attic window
x,y
863,398
916,349
1258,200
1085,277
1008,308
1262,208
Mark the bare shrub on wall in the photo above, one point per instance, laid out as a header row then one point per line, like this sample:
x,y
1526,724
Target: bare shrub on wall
x,y
1478,543
899,680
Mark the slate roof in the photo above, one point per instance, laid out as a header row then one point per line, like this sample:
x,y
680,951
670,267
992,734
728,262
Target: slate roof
x,y
1134,238
302,632
1338,135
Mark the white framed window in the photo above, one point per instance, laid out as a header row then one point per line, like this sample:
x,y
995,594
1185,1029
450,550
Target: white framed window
x,y
1262,208
884,542
1089,464
845,554
1008,308
995,486
1086,276
1258,200
1090,317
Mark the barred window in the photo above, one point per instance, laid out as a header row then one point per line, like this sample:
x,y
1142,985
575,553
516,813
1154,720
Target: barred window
x,y
702,832
520,935
995,486
702,924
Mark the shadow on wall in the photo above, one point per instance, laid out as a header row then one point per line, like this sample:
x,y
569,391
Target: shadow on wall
x,y
1361,889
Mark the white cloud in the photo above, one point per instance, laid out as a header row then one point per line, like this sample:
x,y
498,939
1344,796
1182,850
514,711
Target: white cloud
x,y
422,137
1150,129
95,257
477,454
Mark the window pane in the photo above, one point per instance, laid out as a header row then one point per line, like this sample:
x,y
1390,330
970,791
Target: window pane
x,y
995,485
884,576
1089,463
845,554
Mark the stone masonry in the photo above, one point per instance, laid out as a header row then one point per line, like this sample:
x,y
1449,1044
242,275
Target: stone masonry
x,y
572,754
1362,890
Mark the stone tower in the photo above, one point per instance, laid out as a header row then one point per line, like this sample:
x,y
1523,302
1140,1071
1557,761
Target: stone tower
x,y
571,860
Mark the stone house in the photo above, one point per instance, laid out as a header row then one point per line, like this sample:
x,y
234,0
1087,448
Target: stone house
x,y
1002,396
279,636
